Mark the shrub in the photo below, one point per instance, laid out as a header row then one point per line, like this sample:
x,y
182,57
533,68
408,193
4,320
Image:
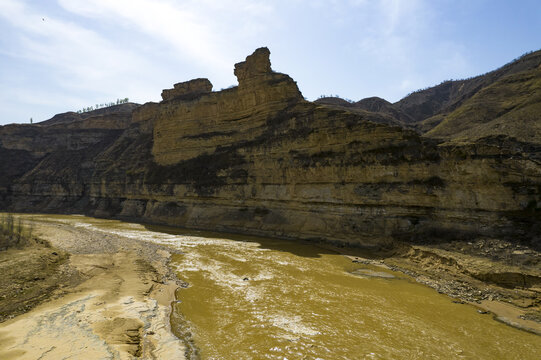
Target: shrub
x,y
13,232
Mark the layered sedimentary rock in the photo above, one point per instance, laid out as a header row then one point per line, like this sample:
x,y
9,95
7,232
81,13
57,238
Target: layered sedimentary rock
x,y
259,159
49,165
186,90
189,128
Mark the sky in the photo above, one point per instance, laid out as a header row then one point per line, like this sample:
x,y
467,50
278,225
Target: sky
x,y
65,55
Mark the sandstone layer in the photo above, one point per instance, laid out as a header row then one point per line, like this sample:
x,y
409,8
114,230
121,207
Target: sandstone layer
x,y
258,158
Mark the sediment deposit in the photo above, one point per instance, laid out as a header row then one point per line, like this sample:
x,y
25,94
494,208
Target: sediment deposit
x,y
110,298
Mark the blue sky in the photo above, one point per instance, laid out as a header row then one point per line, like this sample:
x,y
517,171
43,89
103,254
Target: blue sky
x,y
63,55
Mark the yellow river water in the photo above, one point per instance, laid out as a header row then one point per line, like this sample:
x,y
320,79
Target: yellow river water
x,y
258,298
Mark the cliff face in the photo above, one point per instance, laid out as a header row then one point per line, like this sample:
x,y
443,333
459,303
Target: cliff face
x,y
199,122
259,159
45,164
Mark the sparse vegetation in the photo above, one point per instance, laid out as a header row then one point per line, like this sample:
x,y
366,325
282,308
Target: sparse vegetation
x,y
509,105
13,232
101,106
32,271
520,58
335,96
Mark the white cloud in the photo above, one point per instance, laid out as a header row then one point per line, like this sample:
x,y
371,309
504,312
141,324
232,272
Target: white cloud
x,y
400,42
97,50
51,65
160,19
80,58
201,31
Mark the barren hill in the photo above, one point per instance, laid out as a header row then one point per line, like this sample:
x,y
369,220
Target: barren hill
x,y
502,102
449,95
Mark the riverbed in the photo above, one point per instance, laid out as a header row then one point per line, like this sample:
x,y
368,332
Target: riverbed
x,y
256,298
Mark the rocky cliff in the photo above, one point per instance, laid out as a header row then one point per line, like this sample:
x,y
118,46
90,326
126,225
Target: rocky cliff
x,y
259,159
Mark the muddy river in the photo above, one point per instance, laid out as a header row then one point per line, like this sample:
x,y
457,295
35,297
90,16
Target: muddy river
x,y
257,298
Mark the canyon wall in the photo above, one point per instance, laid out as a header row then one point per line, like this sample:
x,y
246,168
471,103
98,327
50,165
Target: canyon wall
x,y
260,159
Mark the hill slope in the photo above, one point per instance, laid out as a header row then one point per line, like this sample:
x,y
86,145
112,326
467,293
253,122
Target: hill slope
x,y
449,95
502,102
510,106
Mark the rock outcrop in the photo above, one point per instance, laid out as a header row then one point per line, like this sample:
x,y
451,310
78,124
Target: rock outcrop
x,y
185,129
187,90
259,159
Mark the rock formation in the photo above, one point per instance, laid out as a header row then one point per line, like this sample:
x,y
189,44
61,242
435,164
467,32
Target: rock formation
x,y
259,159
189,89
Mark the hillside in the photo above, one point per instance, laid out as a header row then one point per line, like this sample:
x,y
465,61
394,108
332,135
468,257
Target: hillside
x,y
502,102
449,95
380,110
69,117
510,106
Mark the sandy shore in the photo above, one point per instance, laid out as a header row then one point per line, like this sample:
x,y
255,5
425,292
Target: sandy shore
x,y
119,309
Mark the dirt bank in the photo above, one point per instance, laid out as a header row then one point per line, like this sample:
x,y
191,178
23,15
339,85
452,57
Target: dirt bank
x,y
115,304
32,275
499,277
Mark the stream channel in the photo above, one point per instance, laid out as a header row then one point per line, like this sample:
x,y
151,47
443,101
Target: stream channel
x,y
258,298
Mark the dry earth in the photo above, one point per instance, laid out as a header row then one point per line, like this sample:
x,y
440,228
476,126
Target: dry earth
x,y
31,275
112,299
